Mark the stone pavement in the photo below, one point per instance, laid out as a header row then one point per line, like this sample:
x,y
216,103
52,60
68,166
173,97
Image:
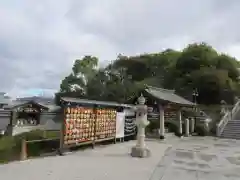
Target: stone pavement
x,y
198,158
111,162
193,158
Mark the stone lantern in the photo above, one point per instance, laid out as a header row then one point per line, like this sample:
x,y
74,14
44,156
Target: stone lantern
x,y
223,108
140,149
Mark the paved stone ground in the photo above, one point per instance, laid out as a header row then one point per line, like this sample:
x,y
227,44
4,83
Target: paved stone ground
x,y
192,158
197,158
111,162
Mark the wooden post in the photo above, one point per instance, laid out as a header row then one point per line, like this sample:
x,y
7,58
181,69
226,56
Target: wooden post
x,y
115,138
61,145
23,150
95,125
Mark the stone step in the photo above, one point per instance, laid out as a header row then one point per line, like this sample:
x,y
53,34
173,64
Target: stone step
x,y
234,137
233,124
233,127
228,134
234,134
231,130
233,121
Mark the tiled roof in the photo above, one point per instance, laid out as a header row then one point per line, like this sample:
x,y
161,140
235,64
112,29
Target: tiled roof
x,y
85,101
167,95
51,107
16,104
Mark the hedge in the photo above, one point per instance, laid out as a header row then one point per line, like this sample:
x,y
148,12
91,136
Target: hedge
x,y
10,146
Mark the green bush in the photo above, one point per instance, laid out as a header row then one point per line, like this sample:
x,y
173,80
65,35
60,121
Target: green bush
x,y
201,130
10,146
152,126
8,149
171,127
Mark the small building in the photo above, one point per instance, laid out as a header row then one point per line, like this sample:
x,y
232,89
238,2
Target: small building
x,y
28,116
89,121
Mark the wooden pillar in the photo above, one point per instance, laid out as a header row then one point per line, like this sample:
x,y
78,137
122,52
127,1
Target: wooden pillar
x,y
179,115
186,127
23,150
162,126
62,131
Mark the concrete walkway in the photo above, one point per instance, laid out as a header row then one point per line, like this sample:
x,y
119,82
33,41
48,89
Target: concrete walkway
x,y
192,158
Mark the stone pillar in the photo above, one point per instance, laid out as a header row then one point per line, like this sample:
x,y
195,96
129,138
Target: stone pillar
x,y
186,127
162,126
206,128
140,149
192,123
179,115
223,108
14,118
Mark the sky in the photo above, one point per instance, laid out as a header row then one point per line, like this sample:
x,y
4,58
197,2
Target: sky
x,y
39,40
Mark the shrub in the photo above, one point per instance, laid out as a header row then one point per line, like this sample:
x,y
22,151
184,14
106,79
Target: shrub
x,y
10,146
201,130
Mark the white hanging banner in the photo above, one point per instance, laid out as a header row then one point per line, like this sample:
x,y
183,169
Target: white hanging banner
x,y
120,119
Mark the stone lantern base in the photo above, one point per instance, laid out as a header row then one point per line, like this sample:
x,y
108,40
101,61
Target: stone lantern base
x,y
140,152
162,137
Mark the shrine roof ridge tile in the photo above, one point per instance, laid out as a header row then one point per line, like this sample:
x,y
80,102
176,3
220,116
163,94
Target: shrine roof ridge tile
x,y
86,101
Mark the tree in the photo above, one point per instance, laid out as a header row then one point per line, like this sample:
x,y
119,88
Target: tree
x,y
197,66
196,56
82,72
229,64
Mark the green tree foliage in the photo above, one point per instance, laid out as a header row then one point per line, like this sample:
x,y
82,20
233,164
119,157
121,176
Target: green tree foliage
x,y
229,64
82,72
197,66
196,56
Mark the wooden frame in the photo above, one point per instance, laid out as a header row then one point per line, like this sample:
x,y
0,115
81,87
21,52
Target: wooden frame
x,y
93,139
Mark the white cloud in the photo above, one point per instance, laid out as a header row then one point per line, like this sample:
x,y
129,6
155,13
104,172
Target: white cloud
x,y
39,40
